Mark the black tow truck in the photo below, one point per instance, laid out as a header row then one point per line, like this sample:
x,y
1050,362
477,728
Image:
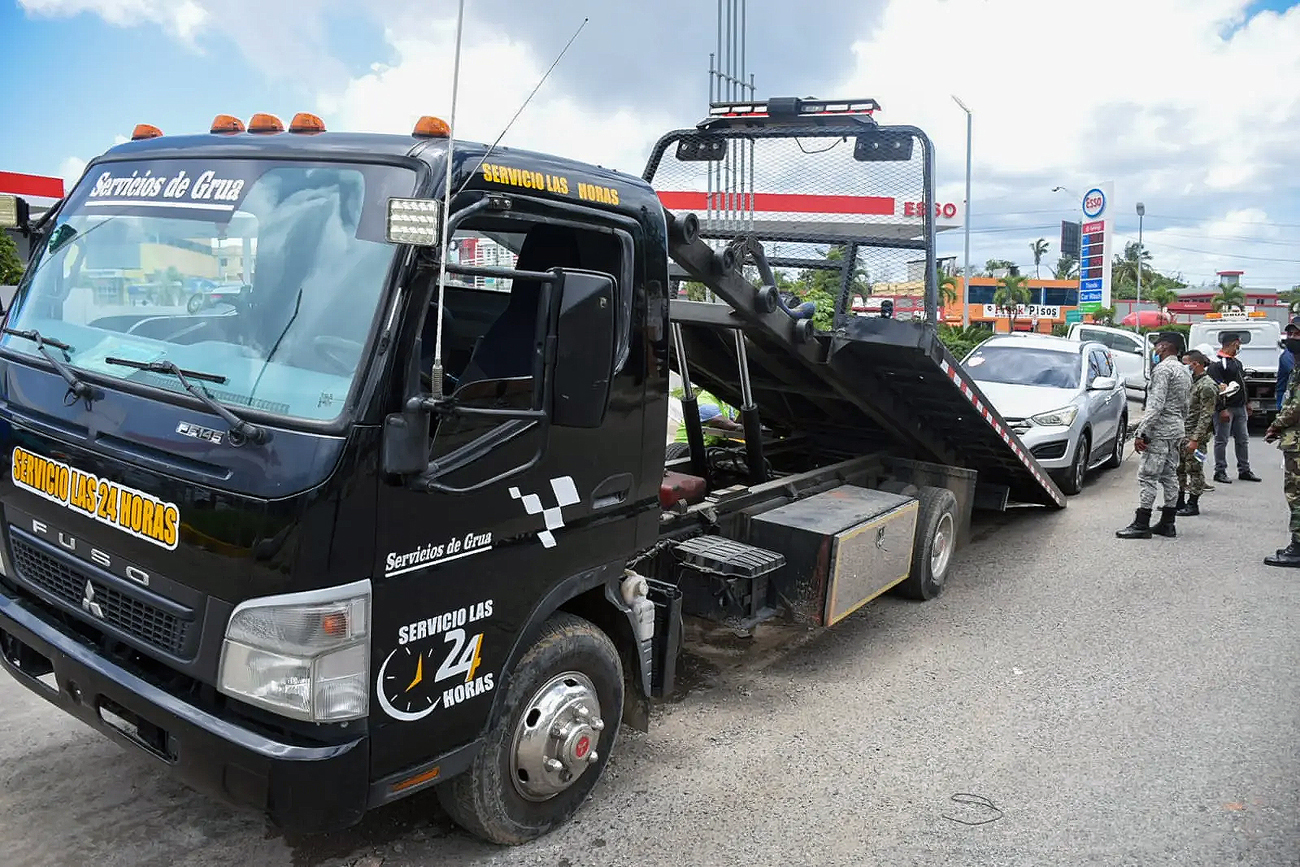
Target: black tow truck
x,y
400,516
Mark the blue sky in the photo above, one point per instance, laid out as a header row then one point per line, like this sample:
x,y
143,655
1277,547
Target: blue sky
x,y
1197,114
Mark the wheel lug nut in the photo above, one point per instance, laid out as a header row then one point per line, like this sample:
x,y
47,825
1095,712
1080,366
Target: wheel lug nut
x,y
583,711
591,757
553,765
597,724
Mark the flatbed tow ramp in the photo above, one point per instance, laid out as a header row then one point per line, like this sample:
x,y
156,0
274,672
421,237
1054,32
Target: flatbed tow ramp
x,y
800,184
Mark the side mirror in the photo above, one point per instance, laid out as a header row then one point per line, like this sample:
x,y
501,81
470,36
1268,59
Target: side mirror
x,y
405,447
1102,383
584,363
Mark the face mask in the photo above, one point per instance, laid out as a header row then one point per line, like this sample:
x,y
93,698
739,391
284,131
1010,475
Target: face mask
x,y
1293,344
1155,357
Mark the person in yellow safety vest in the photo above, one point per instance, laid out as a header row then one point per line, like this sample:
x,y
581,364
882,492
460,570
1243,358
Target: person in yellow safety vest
x,y
713,414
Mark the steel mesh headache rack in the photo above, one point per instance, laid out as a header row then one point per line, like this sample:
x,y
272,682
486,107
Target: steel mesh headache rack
x,y
759,189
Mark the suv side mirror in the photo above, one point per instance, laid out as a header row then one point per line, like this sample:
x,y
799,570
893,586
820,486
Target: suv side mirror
x,y
1102,383
584,363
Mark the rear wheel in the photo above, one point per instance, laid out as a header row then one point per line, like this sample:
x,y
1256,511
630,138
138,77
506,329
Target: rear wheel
x,y
677,450
550,740
932,550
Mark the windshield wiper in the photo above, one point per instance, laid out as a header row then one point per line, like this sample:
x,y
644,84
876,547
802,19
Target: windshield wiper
x,y
78,388
240,430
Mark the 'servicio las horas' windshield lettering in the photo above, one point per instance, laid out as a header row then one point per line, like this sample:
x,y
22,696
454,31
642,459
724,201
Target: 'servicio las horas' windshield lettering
x,y
203,187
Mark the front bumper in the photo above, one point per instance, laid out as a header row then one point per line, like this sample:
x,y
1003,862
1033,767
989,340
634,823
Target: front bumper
x,y
303,789
1052,447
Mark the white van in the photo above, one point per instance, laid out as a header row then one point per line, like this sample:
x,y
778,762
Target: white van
x,y
1130,351
1259,354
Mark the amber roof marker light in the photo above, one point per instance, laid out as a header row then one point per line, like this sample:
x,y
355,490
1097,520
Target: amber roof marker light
x,y
265,123
431,127
145,130
225,124
306,123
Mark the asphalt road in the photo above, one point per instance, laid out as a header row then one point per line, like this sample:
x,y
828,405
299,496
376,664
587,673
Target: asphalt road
x,y
1117,702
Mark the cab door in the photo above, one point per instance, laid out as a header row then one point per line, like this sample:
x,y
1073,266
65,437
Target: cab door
x,y
1104,404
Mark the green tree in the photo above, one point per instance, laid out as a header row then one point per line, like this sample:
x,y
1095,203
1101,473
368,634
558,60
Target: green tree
x,y
11,265
1010,294
947,288
1039,249
1229,297
960,341
1162,297
1067,268
1103,316
1290,297
1125,267
995,264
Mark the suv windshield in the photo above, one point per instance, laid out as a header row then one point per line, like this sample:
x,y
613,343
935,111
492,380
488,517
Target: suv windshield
x,y
266,273
1024,365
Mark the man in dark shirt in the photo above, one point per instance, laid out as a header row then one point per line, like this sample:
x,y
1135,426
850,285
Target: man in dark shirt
x,y
1286,360
1233,412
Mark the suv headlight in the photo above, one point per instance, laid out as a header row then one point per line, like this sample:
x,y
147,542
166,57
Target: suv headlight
x,y
301,655
1063,417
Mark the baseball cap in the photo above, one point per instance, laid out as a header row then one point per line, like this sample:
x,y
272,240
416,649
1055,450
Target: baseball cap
x,y
1293,325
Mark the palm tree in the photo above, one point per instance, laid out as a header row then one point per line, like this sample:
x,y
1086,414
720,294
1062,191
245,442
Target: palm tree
x,y
1229,297
1104,316
1067,268
947,288
1040,250
1162,297
1124,270
1010,294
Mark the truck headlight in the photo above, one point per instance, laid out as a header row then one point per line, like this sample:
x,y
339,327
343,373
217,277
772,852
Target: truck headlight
x,y
301,655
1063,417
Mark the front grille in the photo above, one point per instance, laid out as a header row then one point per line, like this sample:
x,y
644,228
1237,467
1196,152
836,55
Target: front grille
x,y
132,616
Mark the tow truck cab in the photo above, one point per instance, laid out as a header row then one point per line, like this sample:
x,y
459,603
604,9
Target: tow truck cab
x,y
282,566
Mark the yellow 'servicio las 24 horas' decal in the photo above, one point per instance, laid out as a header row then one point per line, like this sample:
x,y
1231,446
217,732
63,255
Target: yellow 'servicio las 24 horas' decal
x,y
126,509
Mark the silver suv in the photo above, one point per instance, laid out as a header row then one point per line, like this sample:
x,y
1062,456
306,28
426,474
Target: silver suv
x,y
1062,397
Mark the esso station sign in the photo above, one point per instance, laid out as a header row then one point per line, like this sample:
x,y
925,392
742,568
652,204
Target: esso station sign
x,y
1094,203
946,210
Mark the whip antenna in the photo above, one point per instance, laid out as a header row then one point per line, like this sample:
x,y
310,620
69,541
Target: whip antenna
x,y
436,373
545,75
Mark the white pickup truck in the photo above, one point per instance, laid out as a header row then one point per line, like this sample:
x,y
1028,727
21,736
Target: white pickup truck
x,y
1259,355
1130,351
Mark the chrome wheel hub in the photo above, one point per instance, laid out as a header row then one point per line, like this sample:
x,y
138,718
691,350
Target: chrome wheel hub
x,y
941,547
556,738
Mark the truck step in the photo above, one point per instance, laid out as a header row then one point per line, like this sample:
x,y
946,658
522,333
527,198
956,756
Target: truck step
x,y
727,557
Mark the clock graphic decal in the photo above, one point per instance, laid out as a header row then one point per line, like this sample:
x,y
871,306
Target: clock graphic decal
x,y
407,689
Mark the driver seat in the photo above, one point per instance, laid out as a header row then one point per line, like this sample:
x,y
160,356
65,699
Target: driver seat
x,y
507,348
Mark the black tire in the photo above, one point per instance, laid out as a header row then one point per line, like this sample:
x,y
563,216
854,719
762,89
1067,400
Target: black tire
x,y
1071,482
195,304
937,512
484,800
1117,451
677,450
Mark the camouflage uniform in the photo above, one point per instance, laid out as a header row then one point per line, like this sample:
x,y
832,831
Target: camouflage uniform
x,y
1200,424
1286,426
1162,427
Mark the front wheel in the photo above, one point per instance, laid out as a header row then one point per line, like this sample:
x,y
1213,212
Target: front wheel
x,y
1072,481
935,542
550,740
1117,453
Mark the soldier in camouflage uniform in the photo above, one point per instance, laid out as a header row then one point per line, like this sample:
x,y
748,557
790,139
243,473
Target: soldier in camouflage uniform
x,y
1158,438
1200,425
1285,429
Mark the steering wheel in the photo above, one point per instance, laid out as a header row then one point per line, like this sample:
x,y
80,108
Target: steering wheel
x,y
327,345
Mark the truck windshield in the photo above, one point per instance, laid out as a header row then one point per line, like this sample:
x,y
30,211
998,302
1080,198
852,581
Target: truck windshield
x,y
266,273
1022,365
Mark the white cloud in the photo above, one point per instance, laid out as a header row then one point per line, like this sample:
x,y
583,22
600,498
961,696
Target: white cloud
x,y
1185,104
70,170
497,74
182,18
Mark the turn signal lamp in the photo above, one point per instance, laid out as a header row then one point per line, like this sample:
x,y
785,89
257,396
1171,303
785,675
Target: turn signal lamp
x,y
145,130
225,123
304,122
265,123
431,127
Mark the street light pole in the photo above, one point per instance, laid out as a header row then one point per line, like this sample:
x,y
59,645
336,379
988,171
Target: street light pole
x,y
1137,321
965,273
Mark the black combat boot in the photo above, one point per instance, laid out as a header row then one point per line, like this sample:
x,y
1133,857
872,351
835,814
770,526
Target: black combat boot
x,y
1192,507
1288,556
1182,499
1166,525
1140,528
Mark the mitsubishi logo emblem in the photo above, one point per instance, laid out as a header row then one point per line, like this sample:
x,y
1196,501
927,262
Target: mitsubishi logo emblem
x,y
89,604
